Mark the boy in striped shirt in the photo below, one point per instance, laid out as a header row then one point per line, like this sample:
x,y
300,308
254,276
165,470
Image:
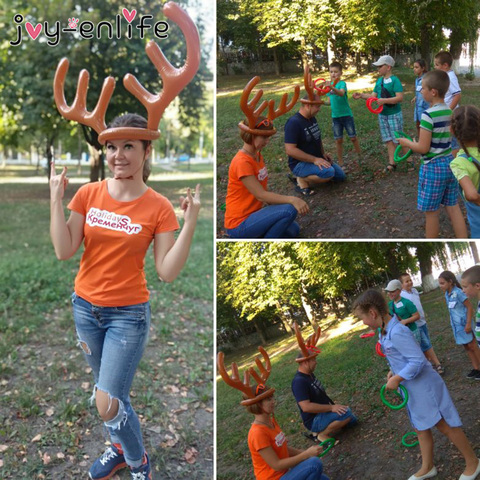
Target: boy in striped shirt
x,y
437,185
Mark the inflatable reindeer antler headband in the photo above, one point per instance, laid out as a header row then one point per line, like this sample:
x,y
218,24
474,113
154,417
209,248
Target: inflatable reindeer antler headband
x,y
309,88
253,114
308,348
235,382
174,81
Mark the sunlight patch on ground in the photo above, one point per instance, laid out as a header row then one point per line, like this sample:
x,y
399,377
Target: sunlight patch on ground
x,y
346,325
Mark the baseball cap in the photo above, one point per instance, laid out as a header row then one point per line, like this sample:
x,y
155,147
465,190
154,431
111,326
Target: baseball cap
x,y
393,285
384,60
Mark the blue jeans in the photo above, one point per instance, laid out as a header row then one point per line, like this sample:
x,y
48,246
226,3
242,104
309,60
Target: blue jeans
x,y
113,340
340,123
310,469
323,420
274,221
305,169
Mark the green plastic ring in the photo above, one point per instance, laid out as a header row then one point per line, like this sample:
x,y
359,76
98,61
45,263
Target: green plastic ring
x,y
405,444
330,442
396,156
388,404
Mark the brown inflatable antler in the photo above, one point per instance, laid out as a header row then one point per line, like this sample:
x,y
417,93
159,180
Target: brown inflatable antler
x,y
253,113
308,348
309,88
174,81
235,382
78,111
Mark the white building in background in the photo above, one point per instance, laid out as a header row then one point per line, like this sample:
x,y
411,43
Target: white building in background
x,y
464,63
455,265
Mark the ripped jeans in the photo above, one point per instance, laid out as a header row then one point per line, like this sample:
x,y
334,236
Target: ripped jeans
x,y
113,340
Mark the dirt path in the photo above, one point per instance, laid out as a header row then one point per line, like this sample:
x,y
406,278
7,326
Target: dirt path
x,y
367,205
373,449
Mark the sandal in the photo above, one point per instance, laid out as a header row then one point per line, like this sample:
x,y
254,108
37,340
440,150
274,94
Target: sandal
x,y
292,178
391,167
310,436
439,369
306,192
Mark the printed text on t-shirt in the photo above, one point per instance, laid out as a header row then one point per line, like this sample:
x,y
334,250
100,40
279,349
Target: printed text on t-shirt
x,y
112,221
280,439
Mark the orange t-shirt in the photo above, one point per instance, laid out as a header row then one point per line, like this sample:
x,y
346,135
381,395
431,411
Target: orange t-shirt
x,y
261,436
240,202
116,238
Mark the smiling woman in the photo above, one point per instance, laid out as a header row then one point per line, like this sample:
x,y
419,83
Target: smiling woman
x,y
126,157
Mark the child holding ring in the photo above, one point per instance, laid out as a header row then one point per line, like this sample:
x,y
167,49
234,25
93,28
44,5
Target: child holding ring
x,y
429,402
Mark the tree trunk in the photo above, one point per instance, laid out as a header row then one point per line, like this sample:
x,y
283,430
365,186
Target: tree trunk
x,y
304,53
358,62
278,68
425,42
456,43
97,166
334,303
49,154
283,318
260,331
96,163
425,261
474,249
308,308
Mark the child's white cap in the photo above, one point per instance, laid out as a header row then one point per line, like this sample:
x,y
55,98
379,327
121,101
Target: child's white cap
x,y
384,60
393,285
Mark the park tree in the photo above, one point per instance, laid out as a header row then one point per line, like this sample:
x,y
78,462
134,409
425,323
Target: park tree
x,y
27,92
262,281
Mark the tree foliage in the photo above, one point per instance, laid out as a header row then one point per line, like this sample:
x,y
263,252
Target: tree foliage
x,y
259,278
27,73
368,27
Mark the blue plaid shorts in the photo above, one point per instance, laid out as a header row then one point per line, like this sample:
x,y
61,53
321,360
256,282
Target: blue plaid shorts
x,y
389,124
437,185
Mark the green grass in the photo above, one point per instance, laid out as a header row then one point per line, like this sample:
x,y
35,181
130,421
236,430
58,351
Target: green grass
x,y
229,114
41,366
348,368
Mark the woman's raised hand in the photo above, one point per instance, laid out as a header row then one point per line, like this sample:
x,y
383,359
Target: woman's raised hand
x,y
191,204
58,183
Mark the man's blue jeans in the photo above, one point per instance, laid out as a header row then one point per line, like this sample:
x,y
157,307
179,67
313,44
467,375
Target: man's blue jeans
x,y
113,340
305,169
310,469
274,221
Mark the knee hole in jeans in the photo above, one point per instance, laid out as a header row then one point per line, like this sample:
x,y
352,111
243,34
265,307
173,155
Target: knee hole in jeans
x,y
108,406
85,347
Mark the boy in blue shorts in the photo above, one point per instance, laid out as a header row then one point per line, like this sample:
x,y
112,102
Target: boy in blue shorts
x,y
437,185
389,92
443,61
342,116
411,293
